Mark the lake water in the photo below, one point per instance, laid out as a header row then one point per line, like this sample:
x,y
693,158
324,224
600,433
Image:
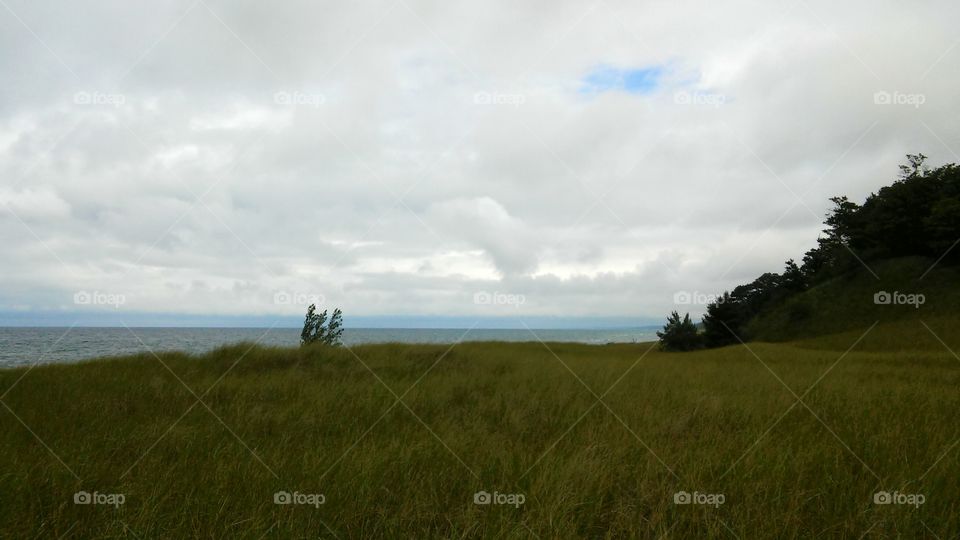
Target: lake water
x,y
25,346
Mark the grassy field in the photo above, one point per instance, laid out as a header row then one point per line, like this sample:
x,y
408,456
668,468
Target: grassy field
x,y
594,440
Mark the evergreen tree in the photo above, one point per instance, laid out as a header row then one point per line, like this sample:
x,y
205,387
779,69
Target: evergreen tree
x,y
679,334
723,321
792,280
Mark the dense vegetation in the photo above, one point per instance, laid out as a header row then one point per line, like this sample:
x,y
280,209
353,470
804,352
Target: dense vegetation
x,y
512,418
917,217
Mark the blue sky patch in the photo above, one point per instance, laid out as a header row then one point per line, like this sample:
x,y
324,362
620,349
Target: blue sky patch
x,y
633,80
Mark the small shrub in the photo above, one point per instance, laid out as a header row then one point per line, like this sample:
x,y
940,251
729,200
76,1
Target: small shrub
x,y
317,329
679,334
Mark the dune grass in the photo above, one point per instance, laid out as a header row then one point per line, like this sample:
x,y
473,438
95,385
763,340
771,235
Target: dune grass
x,y
517,418
847,304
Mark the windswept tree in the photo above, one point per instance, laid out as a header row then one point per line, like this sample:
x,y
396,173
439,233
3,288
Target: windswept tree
x,y
914,166
317,329
679,334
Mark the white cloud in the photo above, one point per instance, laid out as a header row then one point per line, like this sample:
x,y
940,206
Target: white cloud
x,y
194,189
35,203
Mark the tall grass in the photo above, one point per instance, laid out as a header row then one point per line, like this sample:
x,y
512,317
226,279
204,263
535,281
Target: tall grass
x,y
519,418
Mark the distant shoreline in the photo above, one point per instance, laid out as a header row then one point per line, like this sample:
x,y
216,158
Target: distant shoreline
x,y
29,345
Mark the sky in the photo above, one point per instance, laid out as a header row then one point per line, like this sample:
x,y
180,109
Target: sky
x,y
603,160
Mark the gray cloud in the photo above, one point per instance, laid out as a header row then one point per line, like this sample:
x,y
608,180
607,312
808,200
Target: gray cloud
x,y
401,157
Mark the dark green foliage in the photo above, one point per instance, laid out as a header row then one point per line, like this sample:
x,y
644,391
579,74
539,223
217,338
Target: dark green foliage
x,y
798,312
841,222
829,259
723,322
316,328
679,334
726,318
918,215
793,279
755,295
942,224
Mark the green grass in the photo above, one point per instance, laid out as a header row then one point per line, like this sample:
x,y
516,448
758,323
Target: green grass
x,y
511,418
847,303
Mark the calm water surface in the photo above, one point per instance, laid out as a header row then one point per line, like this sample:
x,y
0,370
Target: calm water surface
x,y
25,346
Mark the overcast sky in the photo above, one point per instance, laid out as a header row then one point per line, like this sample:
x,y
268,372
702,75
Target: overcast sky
x,y
429,158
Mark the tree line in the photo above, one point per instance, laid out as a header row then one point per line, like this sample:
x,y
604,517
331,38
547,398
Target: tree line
x,y
917,215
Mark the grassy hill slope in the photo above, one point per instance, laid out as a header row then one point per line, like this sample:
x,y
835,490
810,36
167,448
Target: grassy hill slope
x,y
844,308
